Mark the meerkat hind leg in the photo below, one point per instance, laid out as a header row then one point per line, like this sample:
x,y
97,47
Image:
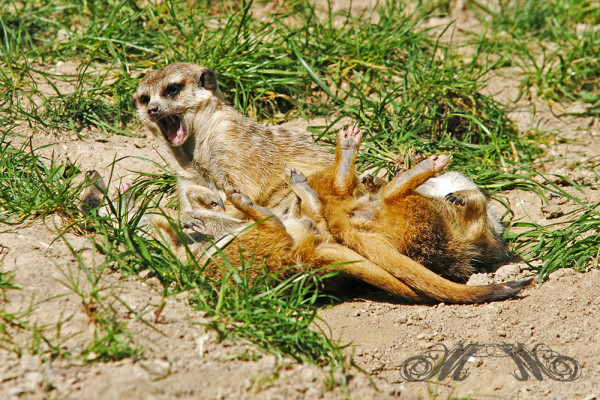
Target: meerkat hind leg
x,y
310,203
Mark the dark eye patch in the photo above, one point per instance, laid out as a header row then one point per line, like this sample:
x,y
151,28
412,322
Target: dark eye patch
x,y
144,99
173,89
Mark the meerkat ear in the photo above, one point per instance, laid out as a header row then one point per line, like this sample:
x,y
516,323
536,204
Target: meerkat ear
x,y
208,80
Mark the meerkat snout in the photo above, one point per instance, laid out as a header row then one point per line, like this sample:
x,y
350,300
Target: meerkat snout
x,y
153,111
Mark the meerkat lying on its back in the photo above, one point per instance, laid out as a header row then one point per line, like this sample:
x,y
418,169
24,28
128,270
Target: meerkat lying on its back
x,y
446,235
368,254
215,146
290,245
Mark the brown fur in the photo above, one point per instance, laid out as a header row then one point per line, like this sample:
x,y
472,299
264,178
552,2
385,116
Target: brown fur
x,y
447,236
472,229
298,243
442,236
221,147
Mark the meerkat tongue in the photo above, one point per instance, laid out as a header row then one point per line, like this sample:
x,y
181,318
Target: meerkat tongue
x,y
173,129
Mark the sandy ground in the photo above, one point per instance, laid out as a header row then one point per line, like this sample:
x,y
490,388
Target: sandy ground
x,y
183,360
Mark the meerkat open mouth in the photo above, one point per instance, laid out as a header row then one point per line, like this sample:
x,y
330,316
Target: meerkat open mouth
x,y
173,129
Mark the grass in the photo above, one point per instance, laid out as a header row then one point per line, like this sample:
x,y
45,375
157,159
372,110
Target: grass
x,y
276,316
574,243
74,65
554,43
292,63
5,278
8,320
32,188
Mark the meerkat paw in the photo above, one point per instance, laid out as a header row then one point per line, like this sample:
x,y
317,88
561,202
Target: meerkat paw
x,y
204,197
439,163
350,138
243,203
236,198
293,175
455,199
194,222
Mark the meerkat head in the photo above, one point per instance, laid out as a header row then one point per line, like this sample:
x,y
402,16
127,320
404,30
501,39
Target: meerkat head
x,y
167,99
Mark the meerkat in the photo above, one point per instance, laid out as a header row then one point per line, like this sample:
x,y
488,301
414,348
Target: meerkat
x,y
214,146
446,235
294,244
443,187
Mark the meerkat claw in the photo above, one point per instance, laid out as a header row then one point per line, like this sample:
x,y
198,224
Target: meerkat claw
x,y
455,199
196,223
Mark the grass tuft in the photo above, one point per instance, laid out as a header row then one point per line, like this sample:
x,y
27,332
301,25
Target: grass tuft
x,y
31,189
574,243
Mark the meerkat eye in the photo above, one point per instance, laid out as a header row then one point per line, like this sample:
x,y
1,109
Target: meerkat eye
x,y
173,89
144,99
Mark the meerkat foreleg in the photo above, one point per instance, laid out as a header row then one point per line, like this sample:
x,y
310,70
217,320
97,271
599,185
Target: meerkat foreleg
x,y
205,197
473,202
403,184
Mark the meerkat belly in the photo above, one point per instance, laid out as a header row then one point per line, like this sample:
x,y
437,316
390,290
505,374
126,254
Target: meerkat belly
x,y
364,213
